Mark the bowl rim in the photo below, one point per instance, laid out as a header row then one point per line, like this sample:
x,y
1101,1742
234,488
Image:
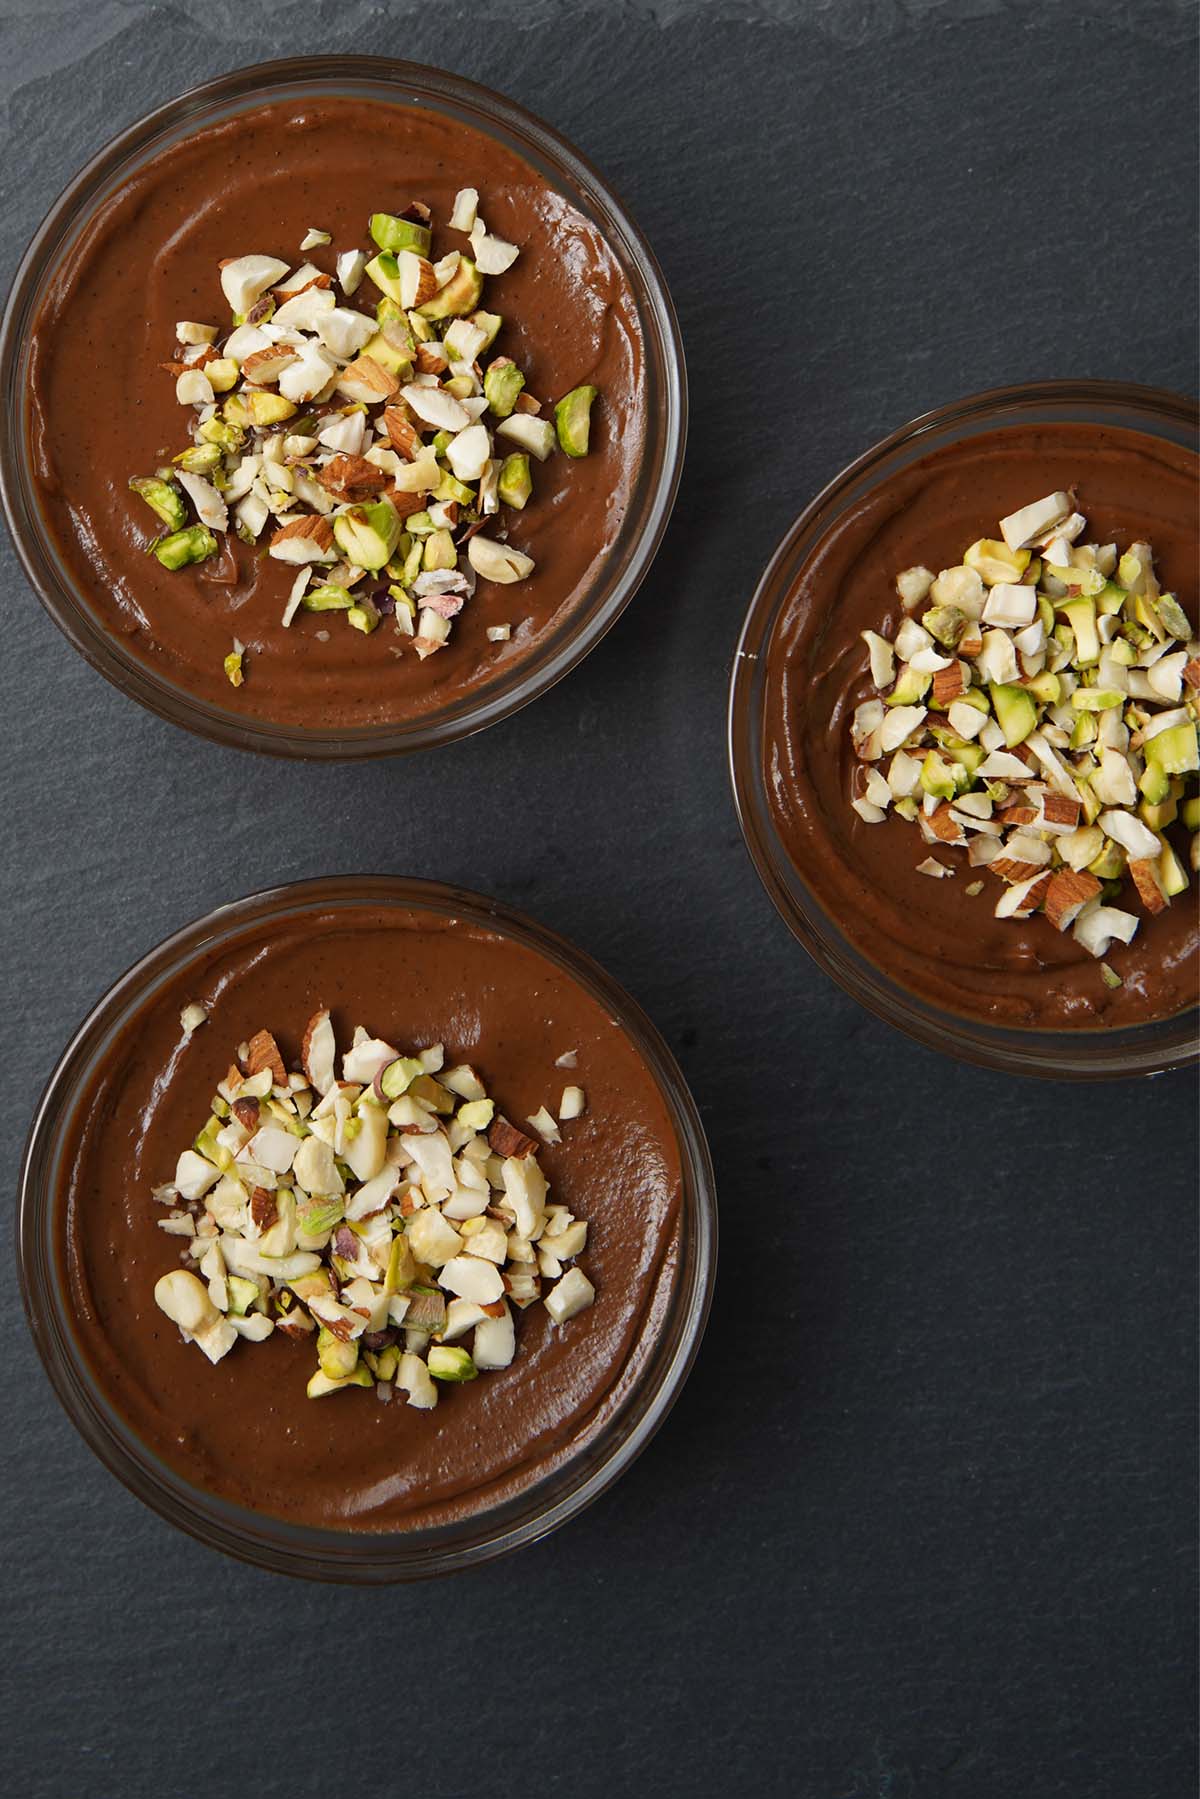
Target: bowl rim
x,y
652,499
356,1557
1100,1054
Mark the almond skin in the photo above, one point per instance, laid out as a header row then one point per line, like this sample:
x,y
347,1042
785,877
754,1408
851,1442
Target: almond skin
x,y
506,1140
262,1051
352,478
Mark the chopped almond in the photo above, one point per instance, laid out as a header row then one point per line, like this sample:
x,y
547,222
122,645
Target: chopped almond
x,y
265,366
1145,879
1191,672
246,1112
263,1208
506,1140
352,478
262,1051
944,827
431,359
1018,813
307,539
1060,809
289,293
404,436
407,503
1068,892
525,402
948,684
971,644
1012,869
365,379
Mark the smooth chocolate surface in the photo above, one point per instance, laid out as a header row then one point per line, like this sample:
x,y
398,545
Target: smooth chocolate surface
x,y
932,937
102,409
244,1428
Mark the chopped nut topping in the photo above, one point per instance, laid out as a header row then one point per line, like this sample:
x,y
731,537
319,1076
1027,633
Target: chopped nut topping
x,y
390,1213
301,339
1056,738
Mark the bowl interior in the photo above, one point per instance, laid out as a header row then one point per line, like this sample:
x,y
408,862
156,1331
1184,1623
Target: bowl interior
x,y
1058,1054
367,1556
564,169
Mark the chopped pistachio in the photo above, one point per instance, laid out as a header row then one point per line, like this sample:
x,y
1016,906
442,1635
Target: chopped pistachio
x,y
572,420
164,500
194,544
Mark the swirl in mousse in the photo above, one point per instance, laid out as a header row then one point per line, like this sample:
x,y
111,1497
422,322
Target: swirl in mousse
x,y
980,742
371,1219
336,408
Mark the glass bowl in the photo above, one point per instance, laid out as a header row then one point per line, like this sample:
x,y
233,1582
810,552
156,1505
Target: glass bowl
x,y
362,1557
564,169
1076,1054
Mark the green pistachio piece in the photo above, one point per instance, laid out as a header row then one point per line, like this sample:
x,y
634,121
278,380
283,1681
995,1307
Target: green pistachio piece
x,y
1081,615
1097,699
234,673
316,1216
489,323
1173,616
330,598
909,690
1170,871
219,431
200,459
388,354
242,1294
448,488
163,498
367,535
1109,865
573,420
515,484
1159,816
394,234
1046,688
946,624
1175,751
1084,731
1109,976
440,552
194,544
1015,712
322,1383
337,1359
1191,814
460,295
384,271
447,1361
501,385
363,617
937,777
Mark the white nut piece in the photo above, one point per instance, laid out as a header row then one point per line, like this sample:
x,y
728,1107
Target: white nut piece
x,y
569,1296
472,1278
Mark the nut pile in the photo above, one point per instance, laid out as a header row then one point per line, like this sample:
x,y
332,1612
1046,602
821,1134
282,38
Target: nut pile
x,y
1038,711
373,445
388,1215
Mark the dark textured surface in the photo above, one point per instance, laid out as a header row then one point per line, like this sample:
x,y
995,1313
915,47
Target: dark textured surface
x,y
922,1523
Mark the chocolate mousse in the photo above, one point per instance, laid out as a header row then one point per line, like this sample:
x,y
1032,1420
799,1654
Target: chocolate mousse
x,y
969,884
319,330
498,1361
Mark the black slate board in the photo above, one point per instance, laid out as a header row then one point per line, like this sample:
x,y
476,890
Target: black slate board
x,y
922,1523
